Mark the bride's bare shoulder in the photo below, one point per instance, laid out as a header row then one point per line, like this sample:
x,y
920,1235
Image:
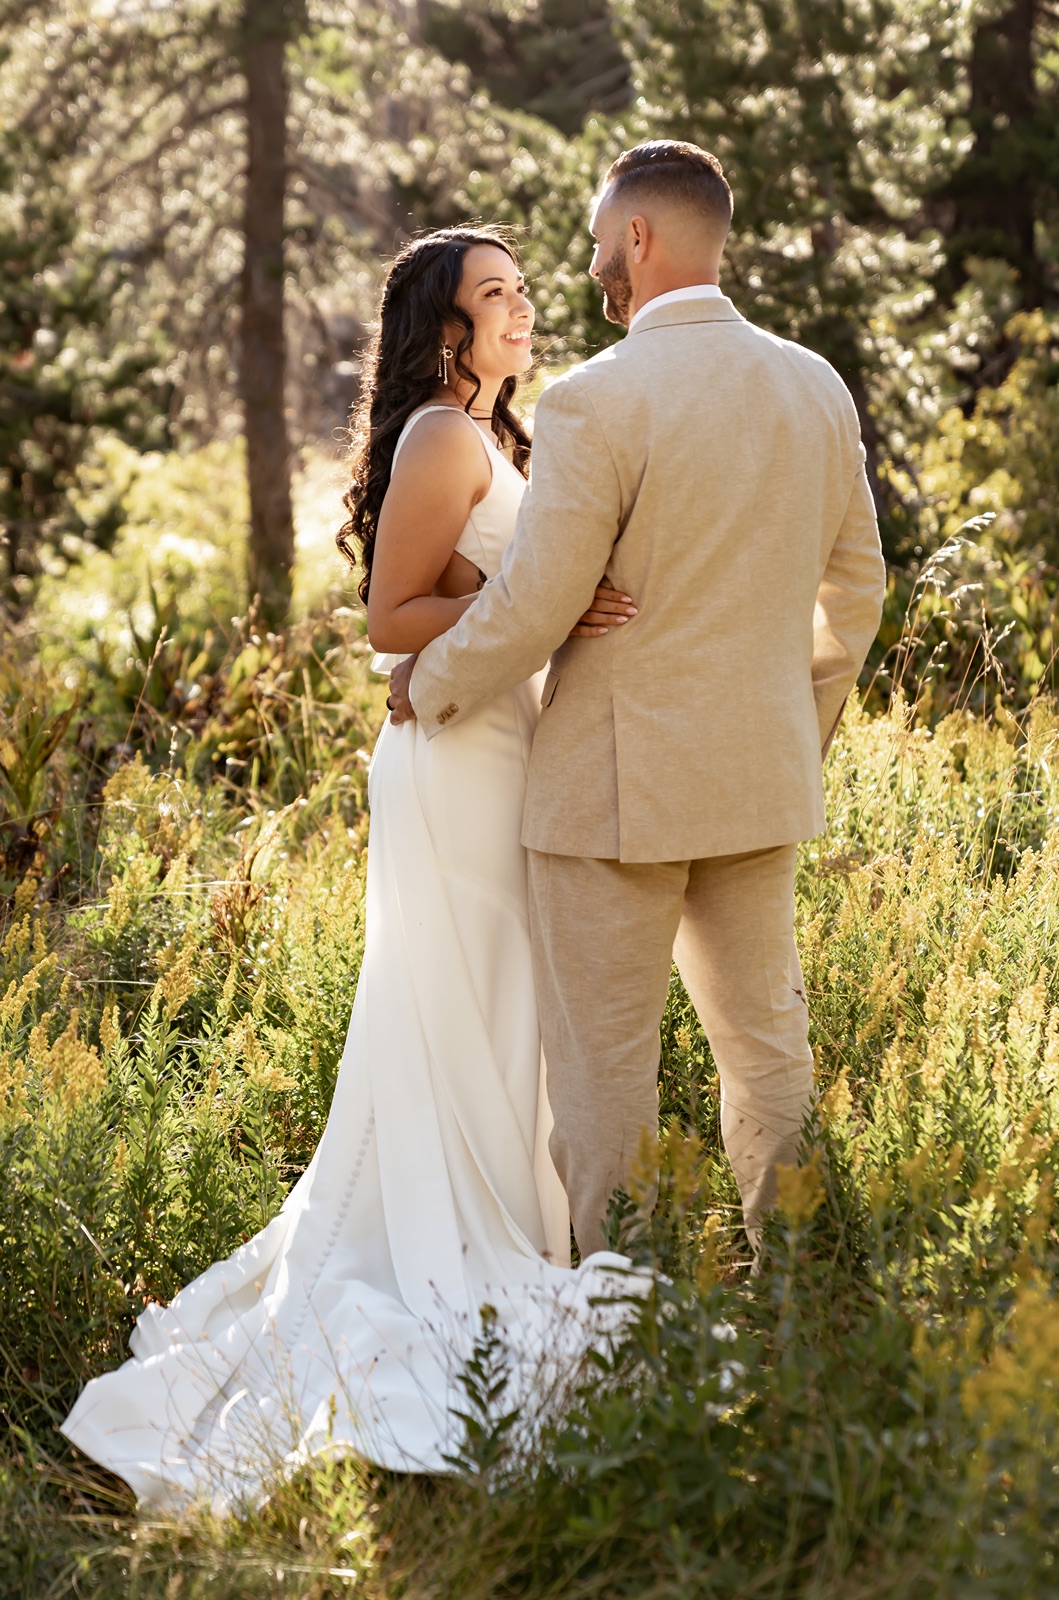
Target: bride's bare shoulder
x,y
442,444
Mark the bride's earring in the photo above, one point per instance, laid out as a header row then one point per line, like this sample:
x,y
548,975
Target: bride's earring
x,y
443,364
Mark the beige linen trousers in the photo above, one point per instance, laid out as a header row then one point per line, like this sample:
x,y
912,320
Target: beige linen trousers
x,y
716,474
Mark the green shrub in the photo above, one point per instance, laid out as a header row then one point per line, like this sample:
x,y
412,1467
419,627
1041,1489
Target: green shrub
x,y
970,608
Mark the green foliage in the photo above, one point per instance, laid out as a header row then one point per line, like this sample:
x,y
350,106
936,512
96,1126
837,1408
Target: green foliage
x,y
35,717
970,612
1003,456
487,1424
558,59
874,1415
1003,194
137,648
181,535
66,378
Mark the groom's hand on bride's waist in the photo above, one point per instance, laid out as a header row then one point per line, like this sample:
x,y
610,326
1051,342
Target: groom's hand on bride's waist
x,y
398,702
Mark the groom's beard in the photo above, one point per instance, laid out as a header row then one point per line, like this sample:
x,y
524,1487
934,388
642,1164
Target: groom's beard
x,y
617,289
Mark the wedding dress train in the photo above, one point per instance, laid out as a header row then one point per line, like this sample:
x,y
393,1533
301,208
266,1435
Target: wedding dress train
x,y
343,1325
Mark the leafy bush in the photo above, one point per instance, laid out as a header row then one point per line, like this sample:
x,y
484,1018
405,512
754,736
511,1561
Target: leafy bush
x,y
1003,455
248,724
970,609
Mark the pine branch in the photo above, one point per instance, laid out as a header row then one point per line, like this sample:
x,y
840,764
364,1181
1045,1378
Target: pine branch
x,y
58,92
173,136
346,197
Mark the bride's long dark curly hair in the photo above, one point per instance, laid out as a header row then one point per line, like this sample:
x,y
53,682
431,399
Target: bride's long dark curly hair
x,y
401,373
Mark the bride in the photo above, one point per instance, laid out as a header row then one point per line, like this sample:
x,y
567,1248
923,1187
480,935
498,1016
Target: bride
x,y
344,1324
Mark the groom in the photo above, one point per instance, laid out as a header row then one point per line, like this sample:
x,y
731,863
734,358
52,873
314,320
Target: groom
x,y
716,474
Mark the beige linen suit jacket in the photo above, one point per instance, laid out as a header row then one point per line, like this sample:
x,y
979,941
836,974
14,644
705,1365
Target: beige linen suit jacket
x,y
716,474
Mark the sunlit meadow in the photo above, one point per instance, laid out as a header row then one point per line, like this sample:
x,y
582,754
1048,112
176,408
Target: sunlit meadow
x,y
876,1414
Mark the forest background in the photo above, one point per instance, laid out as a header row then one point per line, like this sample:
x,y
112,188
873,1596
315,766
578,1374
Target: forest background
x,y
197,202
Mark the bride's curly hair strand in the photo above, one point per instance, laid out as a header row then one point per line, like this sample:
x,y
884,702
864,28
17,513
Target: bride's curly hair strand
x,y
400,374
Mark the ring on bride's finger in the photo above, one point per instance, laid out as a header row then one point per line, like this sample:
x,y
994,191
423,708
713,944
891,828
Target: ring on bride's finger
x,y
389,702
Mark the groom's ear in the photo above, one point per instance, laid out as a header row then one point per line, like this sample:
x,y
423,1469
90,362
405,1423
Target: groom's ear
x,y
641,235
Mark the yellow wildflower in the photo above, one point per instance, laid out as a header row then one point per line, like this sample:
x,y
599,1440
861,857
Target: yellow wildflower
x,y
109,1032
800,1191
72,1070
836,1103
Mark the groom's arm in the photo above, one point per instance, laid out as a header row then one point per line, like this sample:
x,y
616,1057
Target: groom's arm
x,y
570,518
848,606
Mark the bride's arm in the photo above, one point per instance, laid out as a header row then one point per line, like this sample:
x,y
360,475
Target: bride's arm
x,y
416,622
440,475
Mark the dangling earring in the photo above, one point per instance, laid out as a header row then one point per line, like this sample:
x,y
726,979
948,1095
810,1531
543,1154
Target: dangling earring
x,y
443,364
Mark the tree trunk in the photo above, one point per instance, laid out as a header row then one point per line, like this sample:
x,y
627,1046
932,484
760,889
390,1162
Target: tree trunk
x,y
267,26
995,189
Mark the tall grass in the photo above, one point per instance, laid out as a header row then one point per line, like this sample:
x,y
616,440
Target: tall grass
x,y
875,1415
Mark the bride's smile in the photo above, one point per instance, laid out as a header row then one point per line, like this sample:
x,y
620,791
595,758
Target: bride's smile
x,y
493,295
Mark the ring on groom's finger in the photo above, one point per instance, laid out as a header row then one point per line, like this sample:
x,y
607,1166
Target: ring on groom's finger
x,y
389,702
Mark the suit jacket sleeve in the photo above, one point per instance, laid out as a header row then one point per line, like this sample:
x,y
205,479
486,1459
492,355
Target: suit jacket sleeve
x,y
570,518
848,606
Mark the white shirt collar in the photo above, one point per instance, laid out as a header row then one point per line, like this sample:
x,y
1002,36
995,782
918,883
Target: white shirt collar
x,y
695,291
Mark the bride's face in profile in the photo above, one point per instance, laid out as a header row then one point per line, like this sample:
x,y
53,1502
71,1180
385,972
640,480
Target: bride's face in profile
x,y
493,294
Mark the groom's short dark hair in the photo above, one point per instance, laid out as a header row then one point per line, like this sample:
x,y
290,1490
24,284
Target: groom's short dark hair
x,y
675,170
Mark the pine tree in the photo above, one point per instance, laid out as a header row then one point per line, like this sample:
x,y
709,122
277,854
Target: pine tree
x,y
268,28
1004,193
814,108
244,159
558,60
176,156
66,375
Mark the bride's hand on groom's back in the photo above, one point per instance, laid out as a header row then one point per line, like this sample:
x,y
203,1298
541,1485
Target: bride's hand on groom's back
x,y
398,701
609,609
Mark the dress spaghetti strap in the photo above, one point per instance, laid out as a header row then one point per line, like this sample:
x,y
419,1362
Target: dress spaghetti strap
x,y
422,412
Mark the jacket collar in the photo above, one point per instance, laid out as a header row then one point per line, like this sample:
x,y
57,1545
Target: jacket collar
x,y
713,308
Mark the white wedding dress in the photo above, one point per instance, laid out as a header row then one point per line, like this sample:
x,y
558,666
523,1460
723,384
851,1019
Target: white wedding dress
x,y
343,1325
